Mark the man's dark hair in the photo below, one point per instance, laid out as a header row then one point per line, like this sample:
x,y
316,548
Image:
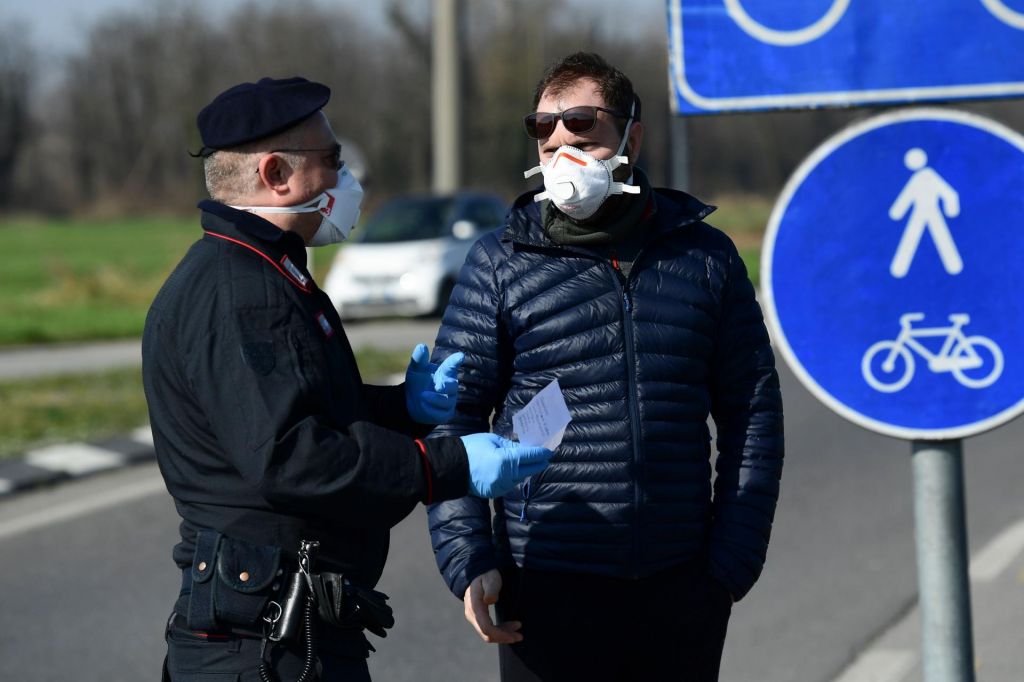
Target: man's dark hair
x,y
614,86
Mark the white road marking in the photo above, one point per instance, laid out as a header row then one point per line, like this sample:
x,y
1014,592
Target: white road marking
x,y
882,665
998,554
103,499
893,665
74,458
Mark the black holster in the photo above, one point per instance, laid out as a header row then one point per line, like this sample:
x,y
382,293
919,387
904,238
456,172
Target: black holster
x,y
344,605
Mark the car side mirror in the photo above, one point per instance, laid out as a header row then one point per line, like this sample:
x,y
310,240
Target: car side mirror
x,y
464,229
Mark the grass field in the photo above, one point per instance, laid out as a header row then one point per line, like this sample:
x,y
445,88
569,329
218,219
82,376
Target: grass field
x,y
83,280
87,280
69,408
89,407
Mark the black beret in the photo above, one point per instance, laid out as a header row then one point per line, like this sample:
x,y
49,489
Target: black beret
x,y
252,111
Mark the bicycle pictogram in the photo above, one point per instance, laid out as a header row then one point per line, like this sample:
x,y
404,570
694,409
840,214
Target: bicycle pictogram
x,y
974,361
827,22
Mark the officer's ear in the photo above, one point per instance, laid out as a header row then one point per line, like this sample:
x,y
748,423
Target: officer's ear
x,y
274,173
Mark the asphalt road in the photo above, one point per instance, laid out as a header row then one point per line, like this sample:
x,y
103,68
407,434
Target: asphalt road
x,y
88,579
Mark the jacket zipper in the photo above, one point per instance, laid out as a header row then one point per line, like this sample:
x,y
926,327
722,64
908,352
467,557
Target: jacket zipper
x,y
634,414
529,489
531,484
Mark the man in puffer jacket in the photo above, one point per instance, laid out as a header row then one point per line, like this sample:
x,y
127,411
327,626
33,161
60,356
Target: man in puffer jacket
x,y
619,562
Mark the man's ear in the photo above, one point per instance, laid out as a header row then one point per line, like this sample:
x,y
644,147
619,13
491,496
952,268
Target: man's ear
x,y
636,137
274,173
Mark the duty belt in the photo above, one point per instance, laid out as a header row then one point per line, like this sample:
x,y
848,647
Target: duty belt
x,y
339,604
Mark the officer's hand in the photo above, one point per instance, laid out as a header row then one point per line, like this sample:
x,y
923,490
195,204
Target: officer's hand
x,y
496,464
431,390
480,594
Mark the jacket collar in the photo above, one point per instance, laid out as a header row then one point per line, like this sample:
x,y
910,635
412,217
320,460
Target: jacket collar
x,y
252,229
676,210
286,250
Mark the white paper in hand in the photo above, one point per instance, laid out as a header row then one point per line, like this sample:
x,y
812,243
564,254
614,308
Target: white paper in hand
x,y
543,420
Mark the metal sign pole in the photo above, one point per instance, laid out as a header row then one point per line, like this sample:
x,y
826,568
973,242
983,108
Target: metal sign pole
x,y
941,537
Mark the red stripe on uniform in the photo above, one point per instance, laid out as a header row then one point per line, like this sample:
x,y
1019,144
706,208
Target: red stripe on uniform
x,y
304,288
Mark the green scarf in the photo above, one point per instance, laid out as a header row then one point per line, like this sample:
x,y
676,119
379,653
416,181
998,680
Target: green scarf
x,y
616,221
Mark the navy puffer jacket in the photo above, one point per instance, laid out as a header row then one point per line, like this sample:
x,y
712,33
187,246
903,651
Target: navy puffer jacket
x,y
642,361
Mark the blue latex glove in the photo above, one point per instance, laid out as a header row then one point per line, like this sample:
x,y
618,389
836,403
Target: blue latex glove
x,y
497,464
431,390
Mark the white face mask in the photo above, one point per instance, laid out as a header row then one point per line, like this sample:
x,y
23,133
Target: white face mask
x,y
577,183
338,205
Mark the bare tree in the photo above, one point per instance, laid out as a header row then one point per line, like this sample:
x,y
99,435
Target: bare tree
x,y
119,122
17,65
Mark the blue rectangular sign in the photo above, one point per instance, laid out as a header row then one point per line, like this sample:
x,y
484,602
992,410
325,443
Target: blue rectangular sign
x,y
746,55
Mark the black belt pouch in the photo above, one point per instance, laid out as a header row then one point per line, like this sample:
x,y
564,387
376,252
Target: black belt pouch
x,y
232,581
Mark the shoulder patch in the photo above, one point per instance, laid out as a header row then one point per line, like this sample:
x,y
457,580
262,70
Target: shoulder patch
x,y
259,356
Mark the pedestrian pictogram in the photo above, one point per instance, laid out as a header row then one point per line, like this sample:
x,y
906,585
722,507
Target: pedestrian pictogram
x,y
891,274
930,200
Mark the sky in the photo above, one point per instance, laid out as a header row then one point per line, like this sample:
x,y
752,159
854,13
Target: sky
x,y
59,27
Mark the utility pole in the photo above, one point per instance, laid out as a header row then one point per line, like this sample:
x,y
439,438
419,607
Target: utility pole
x,y
446,75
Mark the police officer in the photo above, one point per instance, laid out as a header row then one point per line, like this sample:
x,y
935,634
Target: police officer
x,y
286,469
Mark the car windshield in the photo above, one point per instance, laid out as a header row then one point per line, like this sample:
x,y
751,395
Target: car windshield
x,y
410,219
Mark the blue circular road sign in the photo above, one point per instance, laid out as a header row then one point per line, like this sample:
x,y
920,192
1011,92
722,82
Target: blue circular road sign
x,y
891,274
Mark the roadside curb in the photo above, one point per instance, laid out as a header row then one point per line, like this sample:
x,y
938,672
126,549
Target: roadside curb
x,y
57,463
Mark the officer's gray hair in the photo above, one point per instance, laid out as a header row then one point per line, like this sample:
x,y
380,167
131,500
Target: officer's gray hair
x,y
226,178
231,174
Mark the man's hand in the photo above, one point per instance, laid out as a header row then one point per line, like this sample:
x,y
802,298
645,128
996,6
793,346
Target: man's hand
x,y
431,390
480,595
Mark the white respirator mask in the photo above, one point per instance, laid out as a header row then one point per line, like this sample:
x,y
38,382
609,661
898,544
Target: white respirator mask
x,y
577,183
338,205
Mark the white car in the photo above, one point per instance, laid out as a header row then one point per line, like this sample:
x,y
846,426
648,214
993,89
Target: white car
x,y
406,258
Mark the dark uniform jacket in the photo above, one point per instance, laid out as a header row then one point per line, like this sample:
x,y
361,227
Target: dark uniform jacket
x,y
263,428
642,361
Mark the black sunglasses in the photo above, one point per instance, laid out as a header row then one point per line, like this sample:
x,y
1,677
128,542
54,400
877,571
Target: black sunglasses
x,y
541,124
334,160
